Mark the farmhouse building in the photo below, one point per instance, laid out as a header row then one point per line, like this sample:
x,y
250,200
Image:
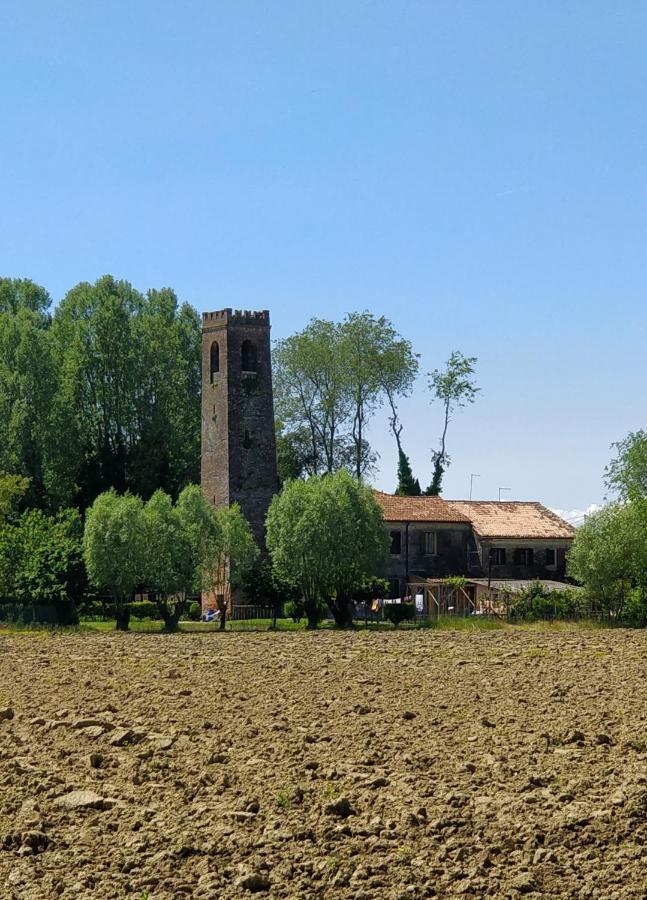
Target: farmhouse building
x,y
433,538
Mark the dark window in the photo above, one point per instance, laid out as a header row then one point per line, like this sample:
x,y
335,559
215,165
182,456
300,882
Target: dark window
x,y
524,556
248,357
215,360
551,556
497,556
429,543
394,587
396,543
247,440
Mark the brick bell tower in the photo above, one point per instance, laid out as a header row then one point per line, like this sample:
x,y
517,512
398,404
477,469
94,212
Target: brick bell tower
x,y
238,462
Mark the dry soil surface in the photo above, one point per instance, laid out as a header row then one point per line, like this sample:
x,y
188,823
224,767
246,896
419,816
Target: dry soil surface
x,y
363,765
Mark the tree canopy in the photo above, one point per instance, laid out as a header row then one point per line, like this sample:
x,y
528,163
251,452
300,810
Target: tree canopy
x,y
325,536
114,548
330,378
609,556
168,549
454,386
626,474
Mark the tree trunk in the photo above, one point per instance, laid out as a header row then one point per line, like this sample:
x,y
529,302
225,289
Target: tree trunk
x,y
311,608
342,612
171,617
122,614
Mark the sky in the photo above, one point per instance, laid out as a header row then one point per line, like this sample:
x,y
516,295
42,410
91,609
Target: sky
x,y
476,172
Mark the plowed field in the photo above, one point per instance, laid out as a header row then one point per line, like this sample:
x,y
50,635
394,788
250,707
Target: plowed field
x,y
363,765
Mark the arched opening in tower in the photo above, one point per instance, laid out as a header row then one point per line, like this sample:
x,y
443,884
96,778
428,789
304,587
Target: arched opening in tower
x,y
215,360
248,357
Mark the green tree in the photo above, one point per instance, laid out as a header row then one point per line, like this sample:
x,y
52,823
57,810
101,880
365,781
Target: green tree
x,y
408,486
311,390
114,548
12,489
21,293
627,473
130,375
325,536
454,387
30,423
330,379
609,556
364,341
41,562
231,555
167,552
293,453
398,369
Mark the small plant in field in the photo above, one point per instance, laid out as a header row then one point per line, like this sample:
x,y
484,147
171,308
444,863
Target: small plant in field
x,y
284,800
404,856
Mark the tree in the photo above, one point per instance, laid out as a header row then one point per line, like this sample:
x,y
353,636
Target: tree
x,y
398,371
325,536
130,376
114,548
330,379
21,293
378,363
609,556
41,562
30,424
12,490
167,551
454,387
262,587
408,486
293,453
311,390
230,555
627,473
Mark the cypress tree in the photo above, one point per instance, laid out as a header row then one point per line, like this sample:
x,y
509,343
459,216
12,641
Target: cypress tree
x,y
408,486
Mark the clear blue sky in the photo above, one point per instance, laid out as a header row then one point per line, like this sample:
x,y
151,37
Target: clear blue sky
x,y
477,171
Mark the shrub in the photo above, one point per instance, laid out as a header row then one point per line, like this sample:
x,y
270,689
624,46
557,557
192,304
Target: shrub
x,y
294,610
195,611
536,603
143,609
399,612
635,611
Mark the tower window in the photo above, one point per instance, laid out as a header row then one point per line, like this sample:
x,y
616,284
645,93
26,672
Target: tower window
x,y
248,357
215,360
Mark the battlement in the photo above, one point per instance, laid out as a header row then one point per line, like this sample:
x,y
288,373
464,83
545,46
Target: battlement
x,y
236,317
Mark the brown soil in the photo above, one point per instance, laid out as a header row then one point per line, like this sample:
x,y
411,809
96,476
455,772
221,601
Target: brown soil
x,y
391,765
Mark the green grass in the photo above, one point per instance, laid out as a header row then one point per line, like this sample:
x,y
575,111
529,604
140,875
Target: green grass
x,y
466,623
443,623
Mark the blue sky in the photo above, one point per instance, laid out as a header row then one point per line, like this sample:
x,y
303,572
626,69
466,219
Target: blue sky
x,y
475,171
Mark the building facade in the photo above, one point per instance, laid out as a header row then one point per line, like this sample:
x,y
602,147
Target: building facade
x,y
433,538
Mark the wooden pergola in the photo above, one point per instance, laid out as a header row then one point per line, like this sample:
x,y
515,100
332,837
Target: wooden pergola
x,y
443,597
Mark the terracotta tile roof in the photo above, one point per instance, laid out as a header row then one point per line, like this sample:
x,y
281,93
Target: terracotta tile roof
x,y
490,519
418,509
511,519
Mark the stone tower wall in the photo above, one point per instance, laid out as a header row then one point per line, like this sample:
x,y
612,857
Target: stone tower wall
x,y
238,438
